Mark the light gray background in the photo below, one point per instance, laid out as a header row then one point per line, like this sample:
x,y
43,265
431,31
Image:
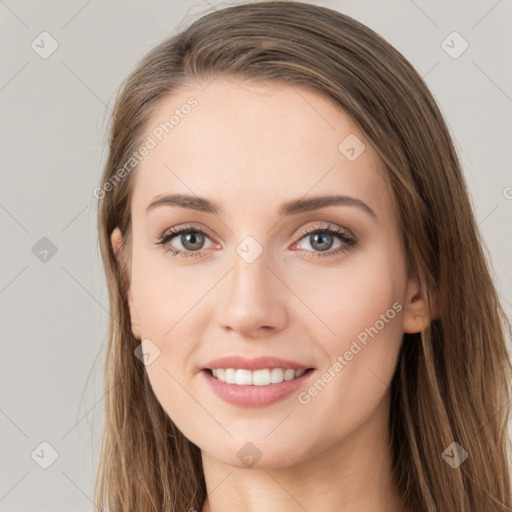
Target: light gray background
x,y
54,113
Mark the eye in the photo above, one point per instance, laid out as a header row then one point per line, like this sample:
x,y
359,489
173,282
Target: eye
x,y
322,238
191,239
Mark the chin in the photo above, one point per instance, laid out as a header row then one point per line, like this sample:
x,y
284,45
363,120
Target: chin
x,y
257,453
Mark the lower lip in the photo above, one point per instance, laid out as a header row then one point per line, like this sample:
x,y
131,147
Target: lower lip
x,y
255,396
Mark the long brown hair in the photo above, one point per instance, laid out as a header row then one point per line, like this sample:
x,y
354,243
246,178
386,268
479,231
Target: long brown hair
x,y
452,380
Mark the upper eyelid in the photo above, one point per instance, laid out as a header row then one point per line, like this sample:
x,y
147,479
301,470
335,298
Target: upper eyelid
x,y
328,226
178,230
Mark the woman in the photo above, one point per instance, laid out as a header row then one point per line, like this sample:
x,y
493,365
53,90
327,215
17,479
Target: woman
x,y
302,315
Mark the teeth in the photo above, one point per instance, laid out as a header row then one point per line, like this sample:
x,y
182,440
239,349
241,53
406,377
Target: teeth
x,y
264,377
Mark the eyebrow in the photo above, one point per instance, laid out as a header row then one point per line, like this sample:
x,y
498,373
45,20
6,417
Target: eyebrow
x,y
293,207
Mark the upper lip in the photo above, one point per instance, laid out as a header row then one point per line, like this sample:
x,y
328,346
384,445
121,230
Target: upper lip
x,y
258,363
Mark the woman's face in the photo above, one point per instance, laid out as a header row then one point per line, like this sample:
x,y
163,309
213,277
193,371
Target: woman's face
x,y
257,276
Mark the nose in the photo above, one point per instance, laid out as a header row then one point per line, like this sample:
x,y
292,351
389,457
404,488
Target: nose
x,y
255,298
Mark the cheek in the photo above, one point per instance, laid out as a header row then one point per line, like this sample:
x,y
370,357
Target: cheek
x,y
166,297
167,301
358,329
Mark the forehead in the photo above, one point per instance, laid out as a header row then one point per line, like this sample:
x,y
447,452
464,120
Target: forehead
x,y
239,142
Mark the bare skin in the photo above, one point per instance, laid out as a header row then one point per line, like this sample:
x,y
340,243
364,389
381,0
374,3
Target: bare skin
x,y
249,148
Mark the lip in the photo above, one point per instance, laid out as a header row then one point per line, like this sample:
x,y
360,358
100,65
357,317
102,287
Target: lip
x,y
255,396
258,363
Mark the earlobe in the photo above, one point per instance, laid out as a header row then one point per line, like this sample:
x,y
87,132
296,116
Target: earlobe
x,y
416,316
116,239
414,325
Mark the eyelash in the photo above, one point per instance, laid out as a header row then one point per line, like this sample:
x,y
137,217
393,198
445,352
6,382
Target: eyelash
x,y
348,241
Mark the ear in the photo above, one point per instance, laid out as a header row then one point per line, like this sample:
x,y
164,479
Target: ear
x,y
416,315
116,238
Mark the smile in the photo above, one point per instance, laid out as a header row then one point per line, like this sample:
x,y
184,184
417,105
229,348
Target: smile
x,y
257,388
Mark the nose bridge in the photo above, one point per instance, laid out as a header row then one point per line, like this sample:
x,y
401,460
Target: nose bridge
x,y
250,274
250,267
253,298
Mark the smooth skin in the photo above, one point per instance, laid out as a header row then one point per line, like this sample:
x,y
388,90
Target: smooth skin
x,y
249,148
